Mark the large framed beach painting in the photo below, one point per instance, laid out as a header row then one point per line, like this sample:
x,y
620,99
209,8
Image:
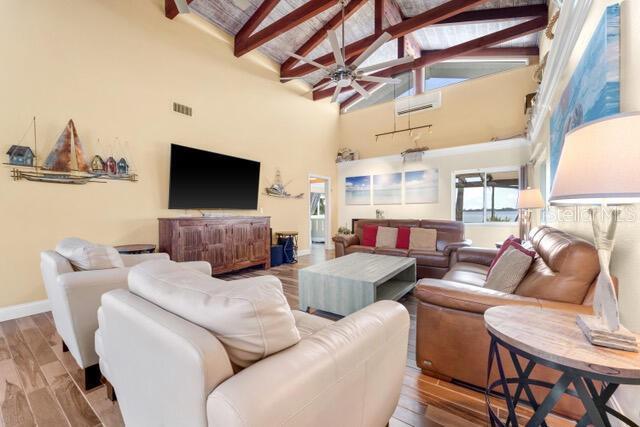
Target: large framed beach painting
x,y
387,189
594,89
421,186
357,190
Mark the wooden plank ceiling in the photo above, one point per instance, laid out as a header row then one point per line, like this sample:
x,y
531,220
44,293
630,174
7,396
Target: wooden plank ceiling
x,y
462,27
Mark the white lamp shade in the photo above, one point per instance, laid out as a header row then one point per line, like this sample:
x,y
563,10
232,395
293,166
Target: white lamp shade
x,y
600,163
531,198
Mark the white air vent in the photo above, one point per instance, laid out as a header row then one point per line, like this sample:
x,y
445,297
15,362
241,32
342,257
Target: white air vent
x,y
423,102
182,109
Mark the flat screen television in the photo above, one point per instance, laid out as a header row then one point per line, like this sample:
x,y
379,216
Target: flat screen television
x,y
206,180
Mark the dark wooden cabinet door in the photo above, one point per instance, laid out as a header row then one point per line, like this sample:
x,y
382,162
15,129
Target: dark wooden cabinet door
x,y
259,239
241,242
216,240
190,243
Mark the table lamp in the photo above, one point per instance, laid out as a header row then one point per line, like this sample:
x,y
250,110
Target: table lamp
x,y
599,165
529,199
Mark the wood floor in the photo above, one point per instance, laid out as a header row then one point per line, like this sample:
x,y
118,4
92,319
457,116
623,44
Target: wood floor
x,y
41,385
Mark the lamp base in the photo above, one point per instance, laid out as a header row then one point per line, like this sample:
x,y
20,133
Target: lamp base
x,y
596,332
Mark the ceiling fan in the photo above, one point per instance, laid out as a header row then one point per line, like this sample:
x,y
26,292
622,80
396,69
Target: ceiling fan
x,y
343,75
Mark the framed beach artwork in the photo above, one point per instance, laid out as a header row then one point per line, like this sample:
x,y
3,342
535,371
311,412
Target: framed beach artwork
x,y
594,89
387,189
421,186
357,190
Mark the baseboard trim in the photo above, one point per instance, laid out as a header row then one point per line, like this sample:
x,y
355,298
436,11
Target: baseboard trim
x,y
303,252
23,310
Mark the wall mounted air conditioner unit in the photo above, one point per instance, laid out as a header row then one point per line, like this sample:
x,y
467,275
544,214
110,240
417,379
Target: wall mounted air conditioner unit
x,y
422,102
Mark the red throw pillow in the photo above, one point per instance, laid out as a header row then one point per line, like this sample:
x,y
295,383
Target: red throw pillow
x,y
402,241
511,243
369,235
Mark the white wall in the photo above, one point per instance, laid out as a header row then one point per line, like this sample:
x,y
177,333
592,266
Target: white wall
x,y
447,161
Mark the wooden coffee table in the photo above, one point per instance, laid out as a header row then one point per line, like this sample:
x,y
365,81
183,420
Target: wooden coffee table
x,y
552,338
347,284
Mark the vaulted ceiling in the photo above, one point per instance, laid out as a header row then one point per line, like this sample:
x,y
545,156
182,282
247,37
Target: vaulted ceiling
x,y
429,30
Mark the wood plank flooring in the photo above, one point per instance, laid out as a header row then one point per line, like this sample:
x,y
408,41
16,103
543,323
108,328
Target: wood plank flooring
x,y
41,385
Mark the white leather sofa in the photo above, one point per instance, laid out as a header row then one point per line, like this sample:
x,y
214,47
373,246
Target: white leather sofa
x,y
75,297
171,372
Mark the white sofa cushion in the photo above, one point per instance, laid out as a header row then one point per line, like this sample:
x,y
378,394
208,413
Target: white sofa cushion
x,y
250,317
84,255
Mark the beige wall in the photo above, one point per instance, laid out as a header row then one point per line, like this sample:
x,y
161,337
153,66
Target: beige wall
x,y
447,161
115,67
476,111
626,256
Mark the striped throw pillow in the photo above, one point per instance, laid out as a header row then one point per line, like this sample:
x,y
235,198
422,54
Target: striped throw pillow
x,y
509,270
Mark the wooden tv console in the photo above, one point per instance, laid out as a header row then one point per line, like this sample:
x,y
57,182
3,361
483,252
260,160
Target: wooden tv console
x,y
228,243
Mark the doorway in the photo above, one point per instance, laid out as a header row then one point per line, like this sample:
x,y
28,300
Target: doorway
x,y
319,211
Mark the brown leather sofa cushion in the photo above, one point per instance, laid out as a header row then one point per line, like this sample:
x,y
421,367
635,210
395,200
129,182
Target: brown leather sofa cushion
x,y
466,277
564,270
359,248
480,256
391,251
432,258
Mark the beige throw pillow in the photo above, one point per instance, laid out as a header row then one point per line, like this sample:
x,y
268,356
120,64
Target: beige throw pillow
x,y
84,255
423,239
509,270
387,237
250,317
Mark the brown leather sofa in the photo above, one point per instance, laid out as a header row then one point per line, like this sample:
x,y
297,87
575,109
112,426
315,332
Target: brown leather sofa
x,y
452,342
450,237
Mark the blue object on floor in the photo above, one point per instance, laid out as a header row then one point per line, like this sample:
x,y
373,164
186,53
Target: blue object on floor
x,y
289,249
277,255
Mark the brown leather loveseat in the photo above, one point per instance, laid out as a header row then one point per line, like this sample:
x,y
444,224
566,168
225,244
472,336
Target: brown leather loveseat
x,y
452,342
450,237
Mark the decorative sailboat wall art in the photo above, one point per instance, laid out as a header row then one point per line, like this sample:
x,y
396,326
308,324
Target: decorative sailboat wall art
x,y
68,163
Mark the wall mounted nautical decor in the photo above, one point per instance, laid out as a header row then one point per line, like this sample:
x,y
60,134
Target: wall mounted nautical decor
x,y
67,163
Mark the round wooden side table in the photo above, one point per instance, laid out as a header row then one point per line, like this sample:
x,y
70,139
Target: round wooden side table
x,y
553,339
136,249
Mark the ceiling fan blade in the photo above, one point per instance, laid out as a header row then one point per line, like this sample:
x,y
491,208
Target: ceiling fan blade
x,y
376,79
308,61
385,37
387,64
335,46
336,93
326,85
360,89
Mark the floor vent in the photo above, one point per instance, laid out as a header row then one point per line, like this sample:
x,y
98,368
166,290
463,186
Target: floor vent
x,y
182,109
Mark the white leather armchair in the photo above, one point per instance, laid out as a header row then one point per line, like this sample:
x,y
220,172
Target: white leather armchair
x,y
75,297
169,371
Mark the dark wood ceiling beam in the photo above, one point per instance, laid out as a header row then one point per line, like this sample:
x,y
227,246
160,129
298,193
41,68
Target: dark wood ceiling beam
x,y
499,14
282,25
378,13
256,19
431,16
394,16
316,39
471,46
171,8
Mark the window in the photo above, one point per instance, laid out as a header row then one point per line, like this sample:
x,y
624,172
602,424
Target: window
x,y
320,208
487,196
